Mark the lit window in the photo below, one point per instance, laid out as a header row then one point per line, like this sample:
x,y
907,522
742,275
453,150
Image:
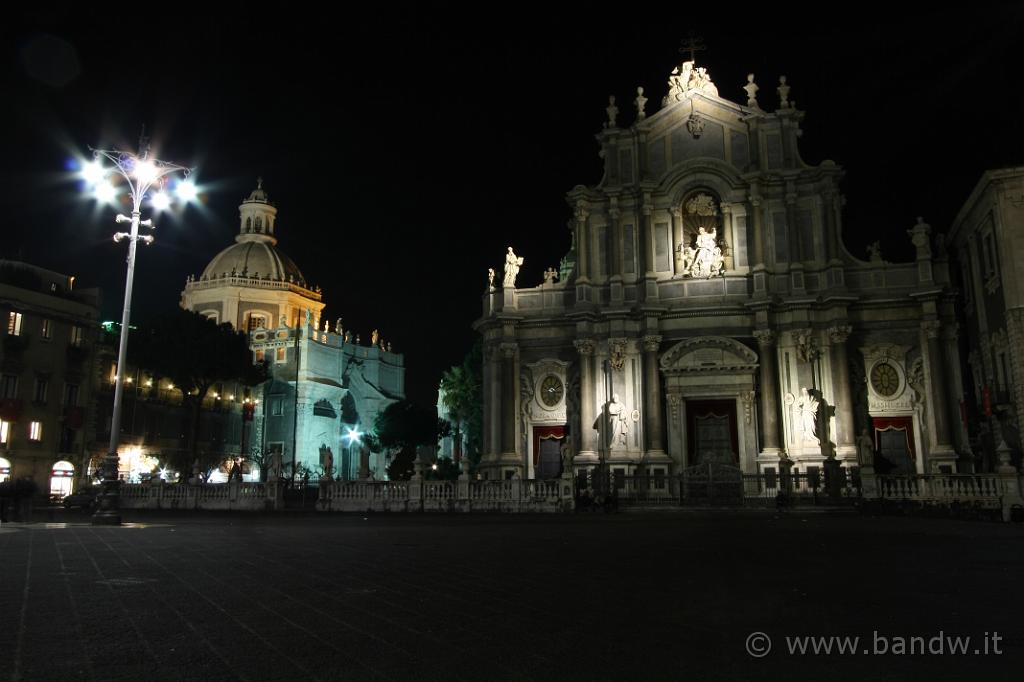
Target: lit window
x,y
14,324
9,386
77,335
259,356
5,431
35,431
40,394
282,354
47,330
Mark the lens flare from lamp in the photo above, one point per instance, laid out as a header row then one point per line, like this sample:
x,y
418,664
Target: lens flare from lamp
x,y
161,201
105,192
353,435
187,191
144,171
93,172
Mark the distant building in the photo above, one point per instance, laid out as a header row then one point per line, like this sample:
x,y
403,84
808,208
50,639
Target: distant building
x,y
987,246
328,383
47,387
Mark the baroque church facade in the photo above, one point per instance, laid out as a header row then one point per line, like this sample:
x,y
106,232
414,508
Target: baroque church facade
x,y
709,311
327,384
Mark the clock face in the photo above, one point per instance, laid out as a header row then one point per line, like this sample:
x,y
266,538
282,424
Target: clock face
x,y
551,391
885,379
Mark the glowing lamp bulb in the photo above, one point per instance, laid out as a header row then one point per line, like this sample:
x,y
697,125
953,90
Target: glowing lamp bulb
x,y
105,192
353,435
93,172
161,201
145,172
186,190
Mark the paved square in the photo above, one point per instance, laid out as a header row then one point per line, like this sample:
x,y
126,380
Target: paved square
x,y
654,596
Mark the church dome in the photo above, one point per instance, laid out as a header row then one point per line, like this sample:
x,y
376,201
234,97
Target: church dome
x,y
252,258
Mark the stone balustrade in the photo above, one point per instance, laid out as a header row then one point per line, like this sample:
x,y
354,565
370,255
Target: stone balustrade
x,y
227,496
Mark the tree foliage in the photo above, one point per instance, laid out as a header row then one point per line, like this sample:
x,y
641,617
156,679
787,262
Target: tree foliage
x,y
401,428
195,353
462,396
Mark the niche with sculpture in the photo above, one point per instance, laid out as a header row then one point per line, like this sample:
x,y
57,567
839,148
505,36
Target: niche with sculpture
x,y
701,254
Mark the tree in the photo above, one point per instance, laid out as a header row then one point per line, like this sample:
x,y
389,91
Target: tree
x,y
462,396
195,353
403,426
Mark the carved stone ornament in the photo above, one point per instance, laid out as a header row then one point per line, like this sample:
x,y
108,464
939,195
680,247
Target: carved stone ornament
x,y
695,125
931,328
806,345
617,354
839,333
765,337
708,354
673,404
584,346
652,343
748,406
685,78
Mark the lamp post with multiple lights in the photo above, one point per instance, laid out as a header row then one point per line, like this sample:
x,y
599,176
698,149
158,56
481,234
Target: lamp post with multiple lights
x,y
145,177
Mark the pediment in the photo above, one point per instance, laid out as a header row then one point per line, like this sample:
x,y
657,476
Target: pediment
x,y
709,354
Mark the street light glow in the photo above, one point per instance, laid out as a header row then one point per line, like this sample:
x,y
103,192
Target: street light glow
x,y
93,172
161,201
353,435
104,192
145,172
187,191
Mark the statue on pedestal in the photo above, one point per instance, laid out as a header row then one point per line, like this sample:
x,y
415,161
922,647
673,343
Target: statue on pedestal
x,y
806,410
512,265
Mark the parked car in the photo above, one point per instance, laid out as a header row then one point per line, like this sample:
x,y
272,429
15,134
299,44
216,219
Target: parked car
x,y
83,499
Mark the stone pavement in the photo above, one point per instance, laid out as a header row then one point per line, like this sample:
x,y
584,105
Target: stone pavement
x,y
447,597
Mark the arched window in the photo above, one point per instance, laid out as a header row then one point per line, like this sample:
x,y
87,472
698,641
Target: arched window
x,y
211,315
248,224
701,253
61,476
256,321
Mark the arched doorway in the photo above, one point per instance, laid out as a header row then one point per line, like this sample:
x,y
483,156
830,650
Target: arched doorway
x,y
5,470
61,477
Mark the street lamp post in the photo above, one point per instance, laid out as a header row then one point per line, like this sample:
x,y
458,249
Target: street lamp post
x,y
143,175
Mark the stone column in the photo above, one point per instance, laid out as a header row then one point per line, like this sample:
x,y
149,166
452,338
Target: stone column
x,y
846,439
588,437
758,225
653,426
769,393
582,243
508,400
942,452
728,227
676,225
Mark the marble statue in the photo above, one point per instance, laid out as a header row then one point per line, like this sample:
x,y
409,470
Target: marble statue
x,y
751,88
783,91
875,252
866,448
706,259
309,316
617,422
283,321
337,327
347,338
806,409
612,111
374,337
641,104
490,279
549,276
357,339
512,265
389,346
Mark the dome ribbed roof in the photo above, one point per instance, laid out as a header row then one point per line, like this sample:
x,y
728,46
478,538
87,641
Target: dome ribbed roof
x,y
254,258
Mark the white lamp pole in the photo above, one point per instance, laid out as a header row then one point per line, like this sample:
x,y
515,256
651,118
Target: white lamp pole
x,y
143,175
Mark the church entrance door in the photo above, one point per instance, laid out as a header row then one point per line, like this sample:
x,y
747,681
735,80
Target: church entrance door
x,y
547,451
711,432
894,443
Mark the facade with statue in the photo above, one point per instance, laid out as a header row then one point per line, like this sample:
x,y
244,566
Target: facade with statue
x,y
327,382
709,311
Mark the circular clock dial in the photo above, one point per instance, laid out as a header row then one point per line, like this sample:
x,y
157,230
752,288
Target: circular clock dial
x,y
551,391
885,379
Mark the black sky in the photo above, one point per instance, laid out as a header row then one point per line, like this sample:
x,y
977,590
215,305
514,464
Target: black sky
x,y
406,148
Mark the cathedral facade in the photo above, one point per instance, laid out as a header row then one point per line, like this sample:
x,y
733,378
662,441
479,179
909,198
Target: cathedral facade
x,y
327,384
709,311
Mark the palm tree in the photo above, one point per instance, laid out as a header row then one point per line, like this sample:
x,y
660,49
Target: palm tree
x,y
457,395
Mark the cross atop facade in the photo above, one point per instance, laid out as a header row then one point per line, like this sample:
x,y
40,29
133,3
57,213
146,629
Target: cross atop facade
x,y
693,44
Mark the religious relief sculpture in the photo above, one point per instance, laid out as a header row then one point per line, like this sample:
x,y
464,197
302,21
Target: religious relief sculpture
x,y
704,258
617,354
686,78
616,423
512,265
806,412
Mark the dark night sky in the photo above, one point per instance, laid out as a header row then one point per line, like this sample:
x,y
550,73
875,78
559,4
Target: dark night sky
x,y
406,149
